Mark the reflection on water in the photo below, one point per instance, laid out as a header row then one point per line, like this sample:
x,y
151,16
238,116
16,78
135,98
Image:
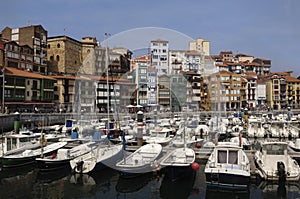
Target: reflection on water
x,y
130,185
107,183
221,194
180,189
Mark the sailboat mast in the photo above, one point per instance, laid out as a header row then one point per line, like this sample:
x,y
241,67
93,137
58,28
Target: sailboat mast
x,y
107,83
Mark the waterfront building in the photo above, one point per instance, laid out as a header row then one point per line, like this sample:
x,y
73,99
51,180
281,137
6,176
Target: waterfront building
x,y
176,61
16,56
159,56
64,92
225,91
164,91
152,86
140,78
261,93
283,90
193,89
241,63
263,67
251,89
119,61
185,60
35,37
25,90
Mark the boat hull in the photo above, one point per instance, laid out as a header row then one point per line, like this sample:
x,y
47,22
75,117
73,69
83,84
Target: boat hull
x,y
135,171
12,162
98,159
51,165
174,173
227,180
16,162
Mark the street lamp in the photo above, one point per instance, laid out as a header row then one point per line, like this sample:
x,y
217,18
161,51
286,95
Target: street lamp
x,y
3,89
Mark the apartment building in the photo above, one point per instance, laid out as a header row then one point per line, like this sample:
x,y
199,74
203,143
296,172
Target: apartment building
x,y
251,89
164,91
201,46
16,56
25,90
35,37
185,60
152,86
64,92
159,56
193,89
283,90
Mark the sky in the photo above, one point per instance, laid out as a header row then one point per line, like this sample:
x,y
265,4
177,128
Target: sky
x,y
267,29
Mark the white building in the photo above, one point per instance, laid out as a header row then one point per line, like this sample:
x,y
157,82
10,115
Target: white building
x,y
160,51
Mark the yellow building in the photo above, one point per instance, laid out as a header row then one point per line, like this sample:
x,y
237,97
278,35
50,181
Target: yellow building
x,y
282,90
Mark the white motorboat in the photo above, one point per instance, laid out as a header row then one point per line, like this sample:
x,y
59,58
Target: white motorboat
x,y
275,164
143,160
63,157
178,162
16,143
102,155
181,138
294,146
228,167
29,156
160,136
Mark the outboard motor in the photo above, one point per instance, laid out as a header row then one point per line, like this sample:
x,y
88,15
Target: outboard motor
x,y
281,172
79,166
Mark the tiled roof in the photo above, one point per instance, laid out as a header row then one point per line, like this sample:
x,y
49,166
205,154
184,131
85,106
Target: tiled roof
x,y
22,73
291,79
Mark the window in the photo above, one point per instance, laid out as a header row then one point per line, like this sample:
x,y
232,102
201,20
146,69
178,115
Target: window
x,y
58,45
57,57
233,157
222,156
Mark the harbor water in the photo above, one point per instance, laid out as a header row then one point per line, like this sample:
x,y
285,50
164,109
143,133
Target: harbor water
x,y
106,183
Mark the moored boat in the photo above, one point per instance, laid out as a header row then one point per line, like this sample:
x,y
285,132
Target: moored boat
x,y
275,164
29,156
143,160
178,162
228,167
102,155
63,156
160,136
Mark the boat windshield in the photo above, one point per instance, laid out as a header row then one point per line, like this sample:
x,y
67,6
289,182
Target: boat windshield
x,y
232,157
275,149
11,143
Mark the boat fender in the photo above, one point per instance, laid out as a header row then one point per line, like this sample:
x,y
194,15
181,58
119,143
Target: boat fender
x,y
195,166
198,145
